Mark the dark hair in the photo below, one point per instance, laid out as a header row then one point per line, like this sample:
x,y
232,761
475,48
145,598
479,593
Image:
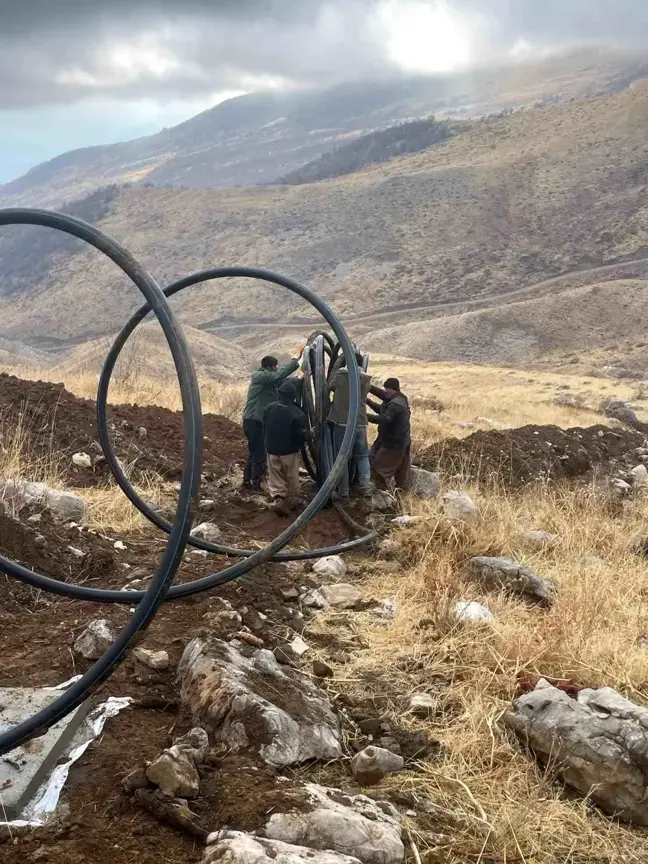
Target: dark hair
x,y
392,384
269,362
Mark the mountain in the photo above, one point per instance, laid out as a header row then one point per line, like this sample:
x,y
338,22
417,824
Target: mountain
x,y
257,138
493,243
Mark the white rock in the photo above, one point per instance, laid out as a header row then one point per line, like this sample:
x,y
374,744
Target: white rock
x,y
341,595
640,474
287,720
206,503
354,825
460,507
206,531
370,765
423,705
314,599
332,566
175,771
152,659
405,521
142,433
382,501
598,743
78,553
424,484
299,647
467,611
82,460
541,538
119,545
96,639
621,485
235,847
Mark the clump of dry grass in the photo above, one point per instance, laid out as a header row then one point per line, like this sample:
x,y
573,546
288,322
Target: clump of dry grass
x,y
494,801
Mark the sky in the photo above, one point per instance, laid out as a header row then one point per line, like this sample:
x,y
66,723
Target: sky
x,y
81,72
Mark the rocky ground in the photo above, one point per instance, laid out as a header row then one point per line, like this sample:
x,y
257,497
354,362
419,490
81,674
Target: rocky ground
x,y
246,736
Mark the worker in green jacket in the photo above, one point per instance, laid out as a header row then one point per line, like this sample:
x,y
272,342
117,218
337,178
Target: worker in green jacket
x,y
262,391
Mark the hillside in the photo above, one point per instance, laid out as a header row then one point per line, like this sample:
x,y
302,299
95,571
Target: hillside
x,y
510,203
260,137
374,148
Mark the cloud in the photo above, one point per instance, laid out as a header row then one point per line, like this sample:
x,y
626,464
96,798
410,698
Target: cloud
x,y
61,51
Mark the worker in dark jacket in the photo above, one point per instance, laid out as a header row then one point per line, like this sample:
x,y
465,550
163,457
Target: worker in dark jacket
x,y
337,418
262,391
286,431
390,454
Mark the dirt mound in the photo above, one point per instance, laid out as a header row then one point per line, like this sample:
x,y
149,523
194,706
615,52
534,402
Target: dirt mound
x,y
51,424
519,456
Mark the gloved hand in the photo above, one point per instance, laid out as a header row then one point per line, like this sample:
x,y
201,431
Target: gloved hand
x,y
299,351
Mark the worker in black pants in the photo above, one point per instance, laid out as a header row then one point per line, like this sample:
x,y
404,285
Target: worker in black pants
x,y
262,391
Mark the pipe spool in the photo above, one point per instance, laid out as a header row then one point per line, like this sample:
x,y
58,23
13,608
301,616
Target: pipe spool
x,y
322,357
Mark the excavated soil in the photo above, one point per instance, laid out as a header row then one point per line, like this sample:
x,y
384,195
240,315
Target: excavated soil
x,y
516,457
53,424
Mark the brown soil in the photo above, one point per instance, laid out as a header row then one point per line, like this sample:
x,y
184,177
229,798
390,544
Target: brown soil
x,y
519,456
54,424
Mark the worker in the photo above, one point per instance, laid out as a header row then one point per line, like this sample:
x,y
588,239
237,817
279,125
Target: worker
x,y
337,418
390,454
261,392
285,432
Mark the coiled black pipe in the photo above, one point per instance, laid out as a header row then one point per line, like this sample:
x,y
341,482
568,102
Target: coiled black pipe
x,y
189,488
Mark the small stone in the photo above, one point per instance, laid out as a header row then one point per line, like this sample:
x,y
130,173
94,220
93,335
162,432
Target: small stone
x,y
640,475
382,501
459,506
621,485
405,521
284,656
290,594
423,705
424,484
206,531
40,540
95,640
120,545
541,538
137,779
370,765
82,460
35,519
497,574
468,611
142,434
333,566
78,553
207,504
153,659
314,600
322,669
248,638
299,647
341,595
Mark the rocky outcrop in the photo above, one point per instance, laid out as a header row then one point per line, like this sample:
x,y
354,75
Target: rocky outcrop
x,y
597,741
247,700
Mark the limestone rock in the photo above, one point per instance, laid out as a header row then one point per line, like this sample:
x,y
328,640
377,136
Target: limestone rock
x,y
175,771
598,742
640,476
470,612
405,521
354,825
541,538
142,433
207,531
370,765
341,596
424,484
299,647
82,460
460,507
250,701
423,705
235,847
332,566
153,659
95,640
497,574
